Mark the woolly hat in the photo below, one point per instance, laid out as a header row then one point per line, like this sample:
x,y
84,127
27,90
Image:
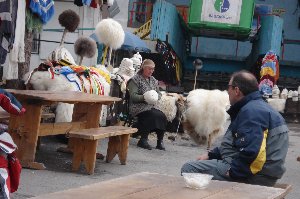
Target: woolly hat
x,y
151,97
127,64
139,57
136,61
85,47
110,32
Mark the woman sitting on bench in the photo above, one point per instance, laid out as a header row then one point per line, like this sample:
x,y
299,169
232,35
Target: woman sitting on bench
x,y
143,91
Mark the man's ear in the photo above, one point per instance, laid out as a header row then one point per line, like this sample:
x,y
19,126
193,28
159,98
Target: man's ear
x,y
237,91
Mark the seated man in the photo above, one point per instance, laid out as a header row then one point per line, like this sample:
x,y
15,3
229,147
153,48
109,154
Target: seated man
x,y
254,147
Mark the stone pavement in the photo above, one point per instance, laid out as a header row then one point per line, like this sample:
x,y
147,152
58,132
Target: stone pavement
x,y
58,175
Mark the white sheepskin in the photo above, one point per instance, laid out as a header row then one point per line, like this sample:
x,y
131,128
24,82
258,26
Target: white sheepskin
x,y
151,97
167,104
110,32
41,80
206,113
277,104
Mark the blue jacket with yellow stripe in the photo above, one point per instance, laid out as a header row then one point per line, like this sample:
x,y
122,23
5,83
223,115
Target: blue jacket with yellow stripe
x,y
256,141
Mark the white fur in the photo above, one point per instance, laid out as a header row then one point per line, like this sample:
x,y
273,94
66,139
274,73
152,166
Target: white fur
x,y
151,97
284,94
206,112
110,32
167,105
110,2
277,104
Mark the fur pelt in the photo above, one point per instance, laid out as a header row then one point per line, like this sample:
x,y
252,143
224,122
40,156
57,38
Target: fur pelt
x,y
167,105
110,32
205,114
41,80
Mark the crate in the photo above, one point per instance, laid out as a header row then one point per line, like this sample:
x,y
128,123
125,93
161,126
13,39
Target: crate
x,y
224,18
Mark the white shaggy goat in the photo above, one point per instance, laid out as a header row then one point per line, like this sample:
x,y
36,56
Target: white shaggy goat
x,y
43,80
205,115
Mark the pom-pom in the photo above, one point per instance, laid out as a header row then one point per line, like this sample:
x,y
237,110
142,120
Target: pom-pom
x,y
151,96
69,19
110,32
85,47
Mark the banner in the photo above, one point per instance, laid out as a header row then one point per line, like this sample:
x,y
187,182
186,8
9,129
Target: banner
x,y
221,11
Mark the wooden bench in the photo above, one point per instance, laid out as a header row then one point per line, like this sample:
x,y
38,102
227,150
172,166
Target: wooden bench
x,y
85,143
4,116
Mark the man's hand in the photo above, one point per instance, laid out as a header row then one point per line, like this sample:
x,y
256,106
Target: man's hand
x,y
203,157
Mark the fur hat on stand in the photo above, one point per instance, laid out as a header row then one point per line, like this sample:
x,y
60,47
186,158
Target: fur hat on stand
x,y
137,61
70,21
110,33
126,69
85,47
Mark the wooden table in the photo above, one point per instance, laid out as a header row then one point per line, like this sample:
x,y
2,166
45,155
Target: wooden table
x,y
151,185
26,129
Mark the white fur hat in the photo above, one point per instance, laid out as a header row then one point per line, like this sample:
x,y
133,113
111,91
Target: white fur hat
x,y
151,97
138,56
110,32
136,61
127,64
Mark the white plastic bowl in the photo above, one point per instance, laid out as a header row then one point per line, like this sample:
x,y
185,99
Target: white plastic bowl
x,y
196,180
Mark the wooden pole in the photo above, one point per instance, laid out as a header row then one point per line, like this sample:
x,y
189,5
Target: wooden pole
x,y
109,56
63,37
195,81
80,60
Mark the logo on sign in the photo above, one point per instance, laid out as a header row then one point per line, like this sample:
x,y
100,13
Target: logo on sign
x,y
222,5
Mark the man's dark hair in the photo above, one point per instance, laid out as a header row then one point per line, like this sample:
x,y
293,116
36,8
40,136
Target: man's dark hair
x,y
245,81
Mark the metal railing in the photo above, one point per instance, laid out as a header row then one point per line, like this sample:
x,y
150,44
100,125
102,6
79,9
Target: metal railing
x,y
144,30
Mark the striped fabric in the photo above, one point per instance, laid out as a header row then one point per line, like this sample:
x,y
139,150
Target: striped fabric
x,y
8,15
269,73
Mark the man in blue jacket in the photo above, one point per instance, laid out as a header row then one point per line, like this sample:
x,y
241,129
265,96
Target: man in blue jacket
x,y
254,147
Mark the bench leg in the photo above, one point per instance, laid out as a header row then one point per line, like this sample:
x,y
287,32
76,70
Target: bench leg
x,y
118,145
85,151
113,148
123,148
